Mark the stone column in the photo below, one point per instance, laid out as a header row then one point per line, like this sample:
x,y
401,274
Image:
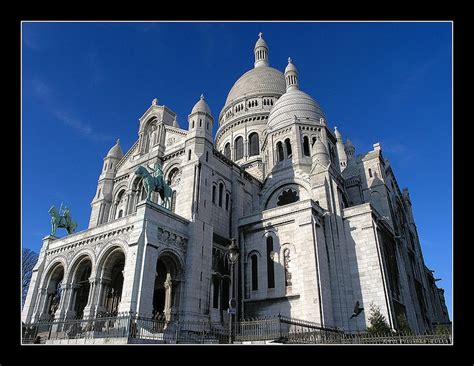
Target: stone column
x,y
168,294
70,312
65,289
101,291
88,309
39,305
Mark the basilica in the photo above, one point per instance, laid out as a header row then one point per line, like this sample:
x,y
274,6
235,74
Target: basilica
x,y
315,228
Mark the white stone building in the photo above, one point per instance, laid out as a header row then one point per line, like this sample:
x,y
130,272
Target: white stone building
x,y
318,227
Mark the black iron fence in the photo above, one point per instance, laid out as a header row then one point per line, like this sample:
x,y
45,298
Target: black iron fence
x,y
133,328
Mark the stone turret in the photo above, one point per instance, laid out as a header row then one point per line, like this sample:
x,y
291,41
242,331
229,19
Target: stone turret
x,y
102,200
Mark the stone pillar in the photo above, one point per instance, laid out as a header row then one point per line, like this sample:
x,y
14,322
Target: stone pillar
x,y
71,300
168,286
88,309
40,305
101,289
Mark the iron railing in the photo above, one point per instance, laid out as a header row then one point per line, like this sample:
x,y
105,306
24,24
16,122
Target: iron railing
x,y
134,328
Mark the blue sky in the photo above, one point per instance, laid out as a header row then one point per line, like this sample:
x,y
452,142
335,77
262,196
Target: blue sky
x,y
86,84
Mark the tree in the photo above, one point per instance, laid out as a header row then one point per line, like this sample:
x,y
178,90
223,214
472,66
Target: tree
x,y
28,261
378,323
402,324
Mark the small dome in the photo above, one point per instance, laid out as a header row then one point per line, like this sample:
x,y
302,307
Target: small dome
x,y
201,106
115,151
290,67
320,153
294,103
337,133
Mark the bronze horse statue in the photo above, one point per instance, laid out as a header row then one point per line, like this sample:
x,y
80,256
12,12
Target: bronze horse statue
x,y
64,221
155,184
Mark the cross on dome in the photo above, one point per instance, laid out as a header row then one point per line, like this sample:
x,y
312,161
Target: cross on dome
x,y
260,35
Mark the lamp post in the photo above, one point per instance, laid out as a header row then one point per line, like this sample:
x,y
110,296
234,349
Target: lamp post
x,y
233,257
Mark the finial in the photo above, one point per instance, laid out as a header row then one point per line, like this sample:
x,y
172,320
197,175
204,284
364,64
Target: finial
x,y
118,141
295,118
289,60
202,96
154,101
260,35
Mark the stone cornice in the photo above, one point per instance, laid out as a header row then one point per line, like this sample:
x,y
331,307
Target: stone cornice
x,y
93,238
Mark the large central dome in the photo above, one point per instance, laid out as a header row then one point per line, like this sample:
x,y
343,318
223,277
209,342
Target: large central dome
x,y
260,80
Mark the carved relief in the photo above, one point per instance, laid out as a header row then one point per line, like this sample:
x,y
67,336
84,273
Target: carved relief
x,y
171,239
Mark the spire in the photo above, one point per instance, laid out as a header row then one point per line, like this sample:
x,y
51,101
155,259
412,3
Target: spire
x,y
350,151
291,76
261,52
320,154
341,153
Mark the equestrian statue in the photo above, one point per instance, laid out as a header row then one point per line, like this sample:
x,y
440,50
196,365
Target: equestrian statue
x,y
62,219
154,182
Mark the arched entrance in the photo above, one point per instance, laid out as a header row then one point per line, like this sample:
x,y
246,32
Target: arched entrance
x,y
54,290
167,287
138,194
111,281
81,286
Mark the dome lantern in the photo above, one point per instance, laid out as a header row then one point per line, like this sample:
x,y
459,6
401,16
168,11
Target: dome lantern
x,y
291,76
261,52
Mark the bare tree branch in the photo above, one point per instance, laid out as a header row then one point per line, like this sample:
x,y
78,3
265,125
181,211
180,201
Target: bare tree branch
x,y
29,259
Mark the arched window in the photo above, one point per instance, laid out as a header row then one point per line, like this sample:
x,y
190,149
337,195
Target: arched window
x,y
270,267
288,148
227,201
253,144
280,155
207,125
172,176
189,155
287,196
221,189
254,272
227,150
313,140
306,146
286,261
239,148
370,173
120,214
207,156
192,124
213,194
98,193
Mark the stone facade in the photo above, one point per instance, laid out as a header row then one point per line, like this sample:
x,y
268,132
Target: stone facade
x,y
318,227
